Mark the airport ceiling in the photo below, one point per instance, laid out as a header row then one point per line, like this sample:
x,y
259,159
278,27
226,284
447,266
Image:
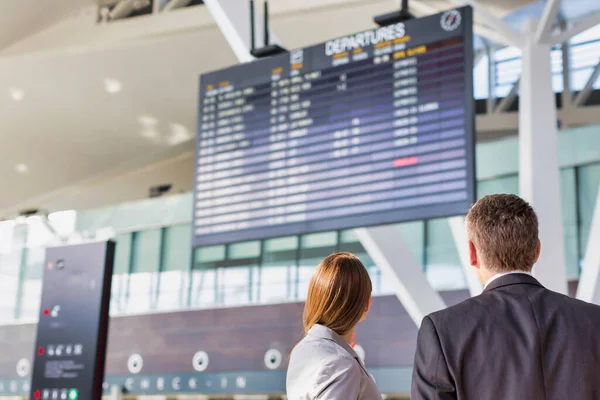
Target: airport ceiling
x,y
94,114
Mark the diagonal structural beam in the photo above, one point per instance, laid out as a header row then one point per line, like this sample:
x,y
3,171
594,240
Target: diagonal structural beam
x,y
391,254
585,93
459,233
500,27
544,28
233,19
589,281
510,98
583,25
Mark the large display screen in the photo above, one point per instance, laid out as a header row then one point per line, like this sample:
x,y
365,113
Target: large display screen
x,y
368,129
70,347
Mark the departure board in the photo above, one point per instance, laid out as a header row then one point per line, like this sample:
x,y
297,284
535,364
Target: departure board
x,y
368,129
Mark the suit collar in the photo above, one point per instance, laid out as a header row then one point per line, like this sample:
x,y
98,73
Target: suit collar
x,y
512,279
324,332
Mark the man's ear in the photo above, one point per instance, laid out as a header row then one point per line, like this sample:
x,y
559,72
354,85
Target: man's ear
x,y
473,257
538,251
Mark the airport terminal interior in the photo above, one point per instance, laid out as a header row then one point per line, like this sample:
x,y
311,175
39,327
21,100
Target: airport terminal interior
x,y
226,148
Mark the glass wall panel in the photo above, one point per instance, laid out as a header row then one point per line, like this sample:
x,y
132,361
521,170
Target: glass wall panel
x,y
10,264
443,267
589,181
204,278
118,297
176,263
145,261
569,214
313,249
278,270
234,277
506,184
31,292
349,242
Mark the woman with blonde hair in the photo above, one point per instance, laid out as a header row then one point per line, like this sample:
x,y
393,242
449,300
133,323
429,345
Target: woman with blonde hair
x,y
324,365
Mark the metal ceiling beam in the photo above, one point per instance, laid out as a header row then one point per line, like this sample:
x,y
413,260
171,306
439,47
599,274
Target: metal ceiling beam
x,y
585,93
490,34
508,101
544,28
500,27
583,24
175,4
233,20
589,282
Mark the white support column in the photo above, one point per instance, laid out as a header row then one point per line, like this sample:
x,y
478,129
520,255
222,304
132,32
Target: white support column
x,y
233,19
539,175
392,255
589,281
459,233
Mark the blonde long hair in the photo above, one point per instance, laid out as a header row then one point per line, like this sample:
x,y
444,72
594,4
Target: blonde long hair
x,y
338,294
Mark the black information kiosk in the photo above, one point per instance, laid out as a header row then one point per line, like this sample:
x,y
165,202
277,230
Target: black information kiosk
x,y
70,348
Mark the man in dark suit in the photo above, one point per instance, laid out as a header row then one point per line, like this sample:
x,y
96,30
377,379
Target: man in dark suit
x,y
517,340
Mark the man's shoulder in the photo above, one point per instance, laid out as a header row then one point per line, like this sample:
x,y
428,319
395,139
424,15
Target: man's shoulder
x,y
459,311
485,304
572,304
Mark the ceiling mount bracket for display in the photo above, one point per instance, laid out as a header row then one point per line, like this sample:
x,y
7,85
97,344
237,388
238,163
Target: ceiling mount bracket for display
x,y
267,50
395,16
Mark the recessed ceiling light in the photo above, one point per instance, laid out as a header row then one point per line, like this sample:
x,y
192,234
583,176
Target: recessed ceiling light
x,y
22,168
17,94
147,120
179,134
112,86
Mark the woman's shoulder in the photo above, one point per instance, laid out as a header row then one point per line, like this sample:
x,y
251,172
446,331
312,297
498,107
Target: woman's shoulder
x,y
321,351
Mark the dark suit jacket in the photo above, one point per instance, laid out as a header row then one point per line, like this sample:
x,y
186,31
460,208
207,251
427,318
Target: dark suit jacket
x,y
515,341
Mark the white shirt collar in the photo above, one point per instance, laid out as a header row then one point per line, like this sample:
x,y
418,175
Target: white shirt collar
x,y
501,274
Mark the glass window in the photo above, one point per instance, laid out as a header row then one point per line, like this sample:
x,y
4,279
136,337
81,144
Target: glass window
x,y
481,78
507,184
176,262
349,242
10,265
204,278
278,270
145,261
569,214
31,293
234,277
177,244
118,296
443,267
314,248
589,181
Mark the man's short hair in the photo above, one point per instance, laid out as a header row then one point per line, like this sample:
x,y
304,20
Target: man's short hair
x,y
504,229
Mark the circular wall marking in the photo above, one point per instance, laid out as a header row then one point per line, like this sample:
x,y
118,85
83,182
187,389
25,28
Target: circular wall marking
x,y
135,363
200,361
23,367
273,359
360,352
